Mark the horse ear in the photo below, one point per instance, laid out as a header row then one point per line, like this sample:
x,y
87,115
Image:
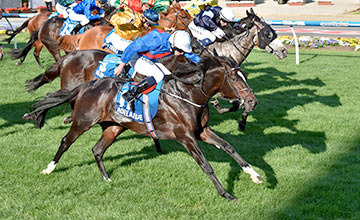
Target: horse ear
x,y
252,11
247,13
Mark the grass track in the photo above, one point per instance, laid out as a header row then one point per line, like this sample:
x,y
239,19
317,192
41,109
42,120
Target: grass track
x,y
303,139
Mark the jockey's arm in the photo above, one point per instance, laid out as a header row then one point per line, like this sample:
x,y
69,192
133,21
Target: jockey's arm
x,y
87,13
208,22
148,42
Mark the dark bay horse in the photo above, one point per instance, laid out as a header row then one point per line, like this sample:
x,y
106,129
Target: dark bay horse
x,y
94,104
48,33
32,24
174,19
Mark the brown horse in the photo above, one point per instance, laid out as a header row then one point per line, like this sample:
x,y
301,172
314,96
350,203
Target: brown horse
x,y
33,24
175,19
48,33
182,119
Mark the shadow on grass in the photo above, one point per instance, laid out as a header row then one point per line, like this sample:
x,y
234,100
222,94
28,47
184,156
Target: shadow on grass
x,y
335,195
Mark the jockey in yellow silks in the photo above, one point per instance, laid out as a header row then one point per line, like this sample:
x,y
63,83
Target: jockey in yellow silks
x,y
129,25
195,6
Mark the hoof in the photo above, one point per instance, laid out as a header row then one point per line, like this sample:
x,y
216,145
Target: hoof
x,y
68,120
107,179
256,179
18,64
242,125
229,197
26,117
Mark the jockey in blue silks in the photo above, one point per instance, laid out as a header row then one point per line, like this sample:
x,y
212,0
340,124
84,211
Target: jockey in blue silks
x,y
206,26
82,12
148,50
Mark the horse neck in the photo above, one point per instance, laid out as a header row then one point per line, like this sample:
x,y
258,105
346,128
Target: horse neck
x,y
239,47
200,92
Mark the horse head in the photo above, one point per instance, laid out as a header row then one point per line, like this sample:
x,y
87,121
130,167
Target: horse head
x,y
235,86
175,18
266,37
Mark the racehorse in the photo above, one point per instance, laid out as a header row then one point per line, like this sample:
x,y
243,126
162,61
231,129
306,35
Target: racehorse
x,y
254,31
48,33
32,24
176,18
182,119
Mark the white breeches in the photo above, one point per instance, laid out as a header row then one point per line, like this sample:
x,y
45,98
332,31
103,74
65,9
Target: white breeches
x,y
201,33
78,17
118,42
149,68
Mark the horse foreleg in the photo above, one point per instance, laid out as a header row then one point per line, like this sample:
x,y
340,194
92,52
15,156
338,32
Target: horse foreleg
x,y
38,47
209,136
189,142
242,123
216,104
108,137
66,142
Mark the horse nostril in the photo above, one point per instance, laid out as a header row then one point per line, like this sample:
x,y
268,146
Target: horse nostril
x,y
252,103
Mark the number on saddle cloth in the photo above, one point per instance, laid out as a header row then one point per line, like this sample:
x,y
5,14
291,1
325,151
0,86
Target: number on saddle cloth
x,y
68,27
122,107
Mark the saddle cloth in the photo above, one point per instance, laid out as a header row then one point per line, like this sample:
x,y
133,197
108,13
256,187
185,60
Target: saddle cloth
x,y
115,43
69,26
122,106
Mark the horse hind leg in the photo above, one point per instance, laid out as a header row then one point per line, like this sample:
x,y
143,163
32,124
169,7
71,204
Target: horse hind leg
x,y
108,137
38,47
209,136
192,147
66,142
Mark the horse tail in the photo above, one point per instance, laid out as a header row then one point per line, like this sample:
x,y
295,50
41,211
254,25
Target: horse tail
x,y
48,76
51,100
15,53
17,30
69,43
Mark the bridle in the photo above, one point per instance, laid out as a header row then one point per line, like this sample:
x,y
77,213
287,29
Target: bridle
x,y
177,17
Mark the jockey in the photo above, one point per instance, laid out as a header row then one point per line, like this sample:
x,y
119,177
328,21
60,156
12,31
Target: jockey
x,y
63,5
161,5
82,12
134,5
148,50
126,29
194,7
206,26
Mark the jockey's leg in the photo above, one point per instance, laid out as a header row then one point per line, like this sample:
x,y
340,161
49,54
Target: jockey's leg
x,y
204,36
155,72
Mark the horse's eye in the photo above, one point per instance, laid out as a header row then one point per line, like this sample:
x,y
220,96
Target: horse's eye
x,y
233,78
268,34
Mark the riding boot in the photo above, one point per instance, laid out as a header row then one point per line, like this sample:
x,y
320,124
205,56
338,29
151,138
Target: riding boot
x,y
134,91
77,28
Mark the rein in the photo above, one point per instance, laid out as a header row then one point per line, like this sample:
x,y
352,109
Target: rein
x,y
201,80
177,17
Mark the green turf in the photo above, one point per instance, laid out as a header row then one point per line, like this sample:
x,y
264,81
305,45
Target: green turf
x,y
303,139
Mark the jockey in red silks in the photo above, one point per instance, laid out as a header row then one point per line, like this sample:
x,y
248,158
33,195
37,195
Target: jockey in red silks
x,y
148,50
135,5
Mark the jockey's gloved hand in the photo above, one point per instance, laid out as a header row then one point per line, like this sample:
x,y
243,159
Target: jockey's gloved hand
x,y
219,33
